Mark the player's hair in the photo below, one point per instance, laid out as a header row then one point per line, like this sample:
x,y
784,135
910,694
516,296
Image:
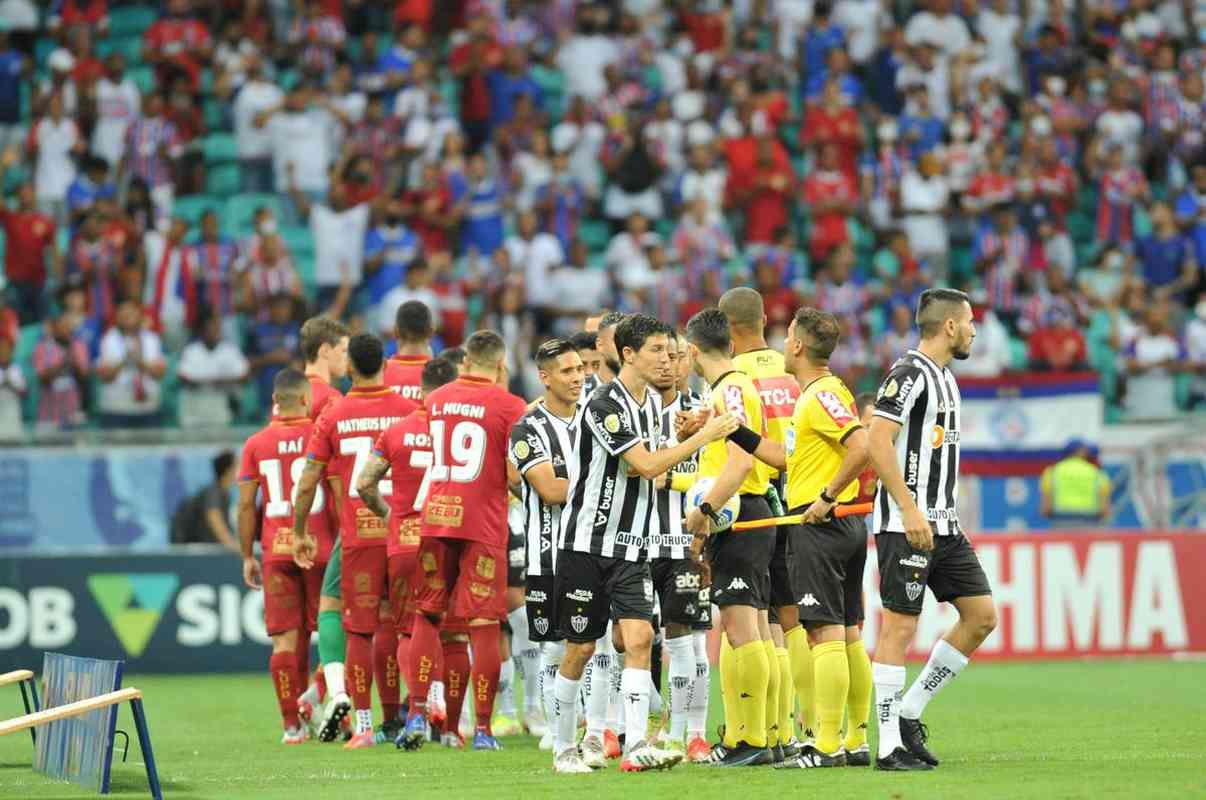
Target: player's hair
x,y
743,307
318,331
822,331
367,354
584,340
485,348
863,400
289,385
456,355
552,350
709,331
935,307
222,462
413,323
437,372
610,320
635,330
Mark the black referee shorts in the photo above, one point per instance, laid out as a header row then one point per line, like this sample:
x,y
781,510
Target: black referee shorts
x,y
681,595
829,571
951,570
589,588
540,598
741,559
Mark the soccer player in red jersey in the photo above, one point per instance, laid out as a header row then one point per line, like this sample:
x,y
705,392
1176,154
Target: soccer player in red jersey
x,y
341,445
324,346
272,460
404,452
462,550
413,328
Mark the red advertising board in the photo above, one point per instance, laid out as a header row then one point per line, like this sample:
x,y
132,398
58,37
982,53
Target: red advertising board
x,y
1071,595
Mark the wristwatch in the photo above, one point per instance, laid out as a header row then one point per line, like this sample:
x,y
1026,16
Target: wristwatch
x,y
707,510
825,496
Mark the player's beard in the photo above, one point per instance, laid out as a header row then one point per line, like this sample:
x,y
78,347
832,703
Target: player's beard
x,y
962,351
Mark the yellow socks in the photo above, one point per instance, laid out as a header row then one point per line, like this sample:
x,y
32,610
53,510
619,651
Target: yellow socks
x,y
753,676
787,695
802,676
772,692
859,700
832,686
728,691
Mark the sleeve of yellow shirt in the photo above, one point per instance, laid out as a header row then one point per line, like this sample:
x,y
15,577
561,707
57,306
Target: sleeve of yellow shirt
x,y
830,415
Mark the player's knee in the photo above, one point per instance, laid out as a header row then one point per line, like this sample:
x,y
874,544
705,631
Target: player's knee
x,y
898,628
638,640
984,622
284,642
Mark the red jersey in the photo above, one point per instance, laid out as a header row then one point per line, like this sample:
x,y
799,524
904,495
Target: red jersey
x,y
989,189
1057,185
404,374
343,440
322,394
407,448
28,235
275,458
470,426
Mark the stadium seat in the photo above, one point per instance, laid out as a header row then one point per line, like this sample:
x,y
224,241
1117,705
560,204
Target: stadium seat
x,y
131,20
215,116
223,180
238,210
298,239
594,234
43,47
128,46
192,207
143,76
219,148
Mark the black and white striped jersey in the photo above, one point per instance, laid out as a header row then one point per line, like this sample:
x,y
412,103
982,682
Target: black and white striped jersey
x,y
541,437
924,398
669,539
609,511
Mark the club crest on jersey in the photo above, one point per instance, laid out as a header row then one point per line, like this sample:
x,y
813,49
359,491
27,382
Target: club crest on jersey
x,y
541,624
578,623
611,423
913,590
428,562
521,450
485,567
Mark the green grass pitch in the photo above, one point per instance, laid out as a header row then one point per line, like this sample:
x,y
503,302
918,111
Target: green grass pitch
x,y
1091,729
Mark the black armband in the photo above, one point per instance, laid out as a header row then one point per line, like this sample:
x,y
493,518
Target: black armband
x,y
746,439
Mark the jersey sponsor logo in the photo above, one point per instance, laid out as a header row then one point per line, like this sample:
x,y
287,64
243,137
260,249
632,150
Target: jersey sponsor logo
x,y
630,540
738,585
936,679
913,590
580,595
536,596
485,567
578,623
778,396
941,515
734,401
666,540
609,487
915,560
541,624
521,450
837,411
516,557
911,472
687,580
808,600
648,585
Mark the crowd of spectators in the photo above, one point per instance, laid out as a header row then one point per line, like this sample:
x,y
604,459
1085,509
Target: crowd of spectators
x,y
184,182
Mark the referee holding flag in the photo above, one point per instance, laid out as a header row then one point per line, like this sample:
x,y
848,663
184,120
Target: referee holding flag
x,y
825,451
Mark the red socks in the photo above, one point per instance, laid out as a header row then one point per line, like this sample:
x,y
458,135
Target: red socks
x,y
360,670
487,661
456,678
385,669
402,657
425,651
287,681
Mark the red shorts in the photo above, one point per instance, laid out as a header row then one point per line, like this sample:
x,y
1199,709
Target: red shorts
x,y
364,584
402,568
291,597
461,578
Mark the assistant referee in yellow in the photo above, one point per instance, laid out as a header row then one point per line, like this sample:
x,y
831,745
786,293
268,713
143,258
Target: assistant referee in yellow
x,y
825,451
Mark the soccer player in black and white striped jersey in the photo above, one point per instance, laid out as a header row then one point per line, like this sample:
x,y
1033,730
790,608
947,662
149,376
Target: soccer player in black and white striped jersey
x,y
678,580
540,448
587,345
914,448
601,567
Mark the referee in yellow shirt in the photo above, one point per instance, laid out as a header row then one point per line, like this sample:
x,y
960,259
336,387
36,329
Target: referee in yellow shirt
x,y
826,449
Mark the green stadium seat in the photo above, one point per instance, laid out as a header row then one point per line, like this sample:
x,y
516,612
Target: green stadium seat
x,y
43,47
219,148
131,20
238,210
215,116
193,206
223,180
1017,353
128,46
143,76
595,234
298,239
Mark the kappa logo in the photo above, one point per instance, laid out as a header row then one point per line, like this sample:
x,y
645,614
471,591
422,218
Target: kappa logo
x,y
541,624
578,623
913,590
738,585
133,602
580,596
915,560
809,600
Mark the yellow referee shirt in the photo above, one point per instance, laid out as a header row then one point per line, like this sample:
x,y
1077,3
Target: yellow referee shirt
x,y
824,417
735,394
778,392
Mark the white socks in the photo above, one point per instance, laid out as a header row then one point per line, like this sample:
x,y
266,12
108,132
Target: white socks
x,y
334,674
565,713
682,676
889,681
945,663
634,689
596,681
527,658
615,702
551,654
697,705
505,704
